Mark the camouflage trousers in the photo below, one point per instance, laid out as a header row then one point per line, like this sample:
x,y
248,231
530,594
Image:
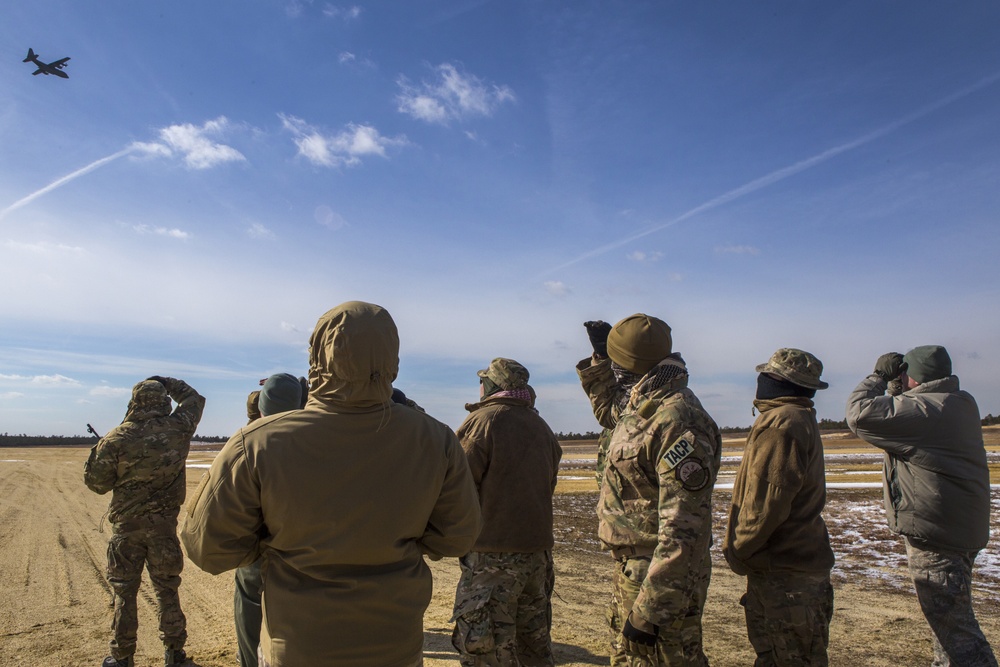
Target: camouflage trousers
x,y
943,581
678,644
247,613
503,610
155,546
788,618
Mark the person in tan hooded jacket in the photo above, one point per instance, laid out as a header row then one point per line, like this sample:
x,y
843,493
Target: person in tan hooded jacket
x,y
341,500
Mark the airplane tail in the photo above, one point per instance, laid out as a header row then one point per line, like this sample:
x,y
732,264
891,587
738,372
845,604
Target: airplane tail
x,y
31,56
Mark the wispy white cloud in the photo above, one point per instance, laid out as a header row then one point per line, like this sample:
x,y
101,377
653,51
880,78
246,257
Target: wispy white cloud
x,y
287,326
258,231
344,149
344,13
556,288
641,256
353,60
110,392
174,233
194,143
329,218
738,250
44,248
41,380
452,95
294,9
7,395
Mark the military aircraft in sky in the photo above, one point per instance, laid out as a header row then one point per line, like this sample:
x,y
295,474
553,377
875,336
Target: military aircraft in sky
x,y
47,68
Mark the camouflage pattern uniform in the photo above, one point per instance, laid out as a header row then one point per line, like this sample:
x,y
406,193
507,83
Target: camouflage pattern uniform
x,y
142,461
503,611
655,506
943,581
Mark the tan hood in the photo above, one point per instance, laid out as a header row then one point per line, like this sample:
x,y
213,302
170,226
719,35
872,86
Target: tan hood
x,y
353,357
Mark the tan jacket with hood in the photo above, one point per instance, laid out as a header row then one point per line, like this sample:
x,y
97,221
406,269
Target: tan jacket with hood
x,y
342,499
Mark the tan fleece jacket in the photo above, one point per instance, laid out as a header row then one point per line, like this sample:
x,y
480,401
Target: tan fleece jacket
x,y
776,523
514,459
341,499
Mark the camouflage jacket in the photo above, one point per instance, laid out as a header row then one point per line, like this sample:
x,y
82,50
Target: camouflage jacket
x,y
143,459
656,495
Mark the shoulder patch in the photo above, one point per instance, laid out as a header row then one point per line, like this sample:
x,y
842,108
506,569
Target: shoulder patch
x,y
678,451
693,475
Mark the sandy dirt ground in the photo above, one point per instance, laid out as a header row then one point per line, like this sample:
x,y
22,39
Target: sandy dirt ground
x,y
55,606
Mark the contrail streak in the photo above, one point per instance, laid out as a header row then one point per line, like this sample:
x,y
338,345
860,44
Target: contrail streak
x,y
64,180
785,172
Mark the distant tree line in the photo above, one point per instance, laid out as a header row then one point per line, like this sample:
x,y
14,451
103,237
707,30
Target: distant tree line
x,y
589,435
22,440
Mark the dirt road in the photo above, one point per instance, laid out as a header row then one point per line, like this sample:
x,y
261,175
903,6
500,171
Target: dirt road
x,y
55,605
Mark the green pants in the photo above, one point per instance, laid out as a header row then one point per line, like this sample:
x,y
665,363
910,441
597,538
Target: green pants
x,y
247,613
157,548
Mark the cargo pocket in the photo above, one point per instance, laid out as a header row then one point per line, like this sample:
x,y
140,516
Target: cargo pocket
x,y
473,621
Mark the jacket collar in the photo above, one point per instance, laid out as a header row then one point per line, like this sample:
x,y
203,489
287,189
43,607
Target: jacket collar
x,y
944,385
765,404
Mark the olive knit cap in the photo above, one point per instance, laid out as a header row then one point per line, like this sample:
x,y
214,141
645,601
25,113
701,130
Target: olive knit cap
x,y
639,342
796,366
927,362
506,374
281,392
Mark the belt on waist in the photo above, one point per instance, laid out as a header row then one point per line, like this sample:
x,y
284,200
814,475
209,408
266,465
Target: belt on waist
x,y
621,553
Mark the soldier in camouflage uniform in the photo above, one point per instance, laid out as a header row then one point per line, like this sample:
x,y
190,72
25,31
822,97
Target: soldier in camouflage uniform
x,y
142,460
503,611
776,534
655,506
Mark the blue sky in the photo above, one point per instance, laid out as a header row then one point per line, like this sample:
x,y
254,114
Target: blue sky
x,y
215,176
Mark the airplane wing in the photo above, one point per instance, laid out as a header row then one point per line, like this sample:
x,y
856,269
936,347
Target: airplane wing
x,y
38,71
59,64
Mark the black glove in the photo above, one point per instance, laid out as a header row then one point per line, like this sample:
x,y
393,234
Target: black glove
x,y
597,331
636,641
889,366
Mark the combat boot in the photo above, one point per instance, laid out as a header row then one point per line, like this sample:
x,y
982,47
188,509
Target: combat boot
x,y
173,656
124,662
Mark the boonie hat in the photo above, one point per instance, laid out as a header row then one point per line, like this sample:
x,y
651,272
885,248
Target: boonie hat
x,y
796,366
639,342
505,373
927,362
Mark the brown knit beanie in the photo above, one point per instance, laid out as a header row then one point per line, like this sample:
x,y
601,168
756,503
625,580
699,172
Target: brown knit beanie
x,y
639,342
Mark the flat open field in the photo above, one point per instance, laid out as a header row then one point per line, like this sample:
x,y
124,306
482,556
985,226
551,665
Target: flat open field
x,y
55,605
